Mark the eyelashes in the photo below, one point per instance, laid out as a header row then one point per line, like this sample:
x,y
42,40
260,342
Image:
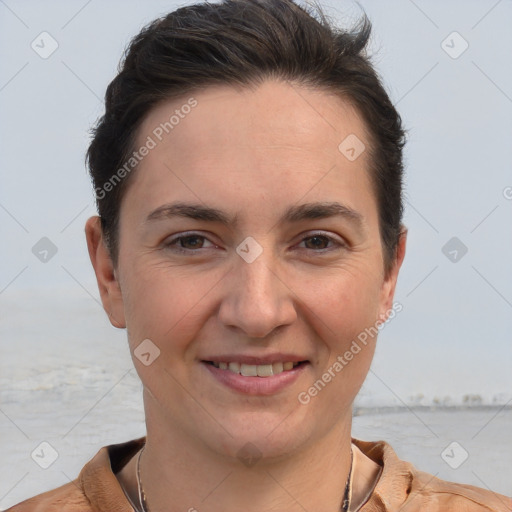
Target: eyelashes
x,y
197,241
173,243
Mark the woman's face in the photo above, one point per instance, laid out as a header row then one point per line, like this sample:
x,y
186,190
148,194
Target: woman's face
x,y
263,279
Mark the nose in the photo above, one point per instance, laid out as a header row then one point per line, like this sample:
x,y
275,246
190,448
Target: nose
x,y
257,299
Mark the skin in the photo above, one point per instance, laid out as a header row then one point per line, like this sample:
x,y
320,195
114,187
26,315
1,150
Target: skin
x,y
252,152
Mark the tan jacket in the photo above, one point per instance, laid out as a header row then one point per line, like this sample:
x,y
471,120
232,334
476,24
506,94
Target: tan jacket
x,y
400,487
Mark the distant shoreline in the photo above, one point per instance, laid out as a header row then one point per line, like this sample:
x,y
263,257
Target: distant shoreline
x,y
390,409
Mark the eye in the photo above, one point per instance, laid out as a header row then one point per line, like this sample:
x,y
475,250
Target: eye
x,y
192,242
188,243
318,242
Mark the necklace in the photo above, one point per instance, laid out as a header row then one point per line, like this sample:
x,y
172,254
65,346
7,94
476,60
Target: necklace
x,y
142,495
345,504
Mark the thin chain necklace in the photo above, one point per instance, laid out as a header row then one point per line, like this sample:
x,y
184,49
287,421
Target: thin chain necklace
x,y
345,504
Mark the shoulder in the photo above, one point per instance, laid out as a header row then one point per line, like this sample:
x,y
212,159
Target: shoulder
x,y
96,487
454,496
402,486
69,497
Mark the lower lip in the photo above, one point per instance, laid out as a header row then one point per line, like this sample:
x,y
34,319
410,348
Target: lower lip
x,y
263,386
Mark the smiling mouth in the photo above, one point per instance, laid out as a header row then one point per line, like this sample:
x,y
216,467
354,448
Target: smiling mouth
x,y
256,370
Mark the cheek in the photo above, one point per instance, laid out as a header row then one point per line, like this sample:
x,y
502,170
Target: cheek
x,y
343,304
165,311
167,305
343,311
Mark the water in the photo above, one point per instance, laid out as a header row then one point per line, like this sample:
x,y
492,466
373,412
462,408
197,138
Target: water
x,y
67,379
417,435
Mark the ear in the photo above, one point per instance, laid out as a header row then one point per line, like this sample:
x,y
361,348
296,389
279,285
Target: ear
x,y
108,284
389,284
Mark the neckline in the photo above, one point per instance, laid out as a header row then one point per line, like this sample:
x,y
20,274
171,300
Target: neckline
x,y
354,447
135,507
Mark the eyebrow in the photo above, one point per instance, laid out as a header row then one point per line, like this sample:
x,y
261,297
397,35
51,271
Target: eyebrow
x,y
293,214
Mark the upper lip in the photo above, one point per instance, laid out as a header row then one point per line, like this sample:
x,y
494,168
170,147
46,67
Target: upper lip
x,y
257,360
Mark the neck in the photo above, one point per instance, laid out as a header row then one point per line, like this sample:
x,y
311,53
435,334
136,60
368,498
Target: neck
x,y
180,475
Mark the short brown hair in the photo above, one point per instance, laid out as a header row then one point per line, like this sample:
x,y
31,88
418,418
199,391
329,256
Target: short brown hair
x,y
243,42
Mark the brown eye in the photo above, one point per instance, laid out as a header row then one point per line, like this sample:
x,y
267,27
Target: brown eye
x,y
188,243
191,242
322,244
317,242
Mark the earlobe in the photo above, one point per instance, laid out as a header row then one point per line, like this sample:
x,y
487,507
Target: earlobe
x,y
389,285
115,322
108,284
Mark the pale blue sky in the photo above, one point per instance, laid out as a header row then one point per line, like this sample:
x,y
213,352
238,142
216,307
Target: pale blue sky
x,y
450,344
457,317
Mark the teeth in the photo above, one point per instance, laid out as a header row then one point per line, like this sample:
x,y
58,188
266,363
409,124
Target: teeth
x,y
249,370
264,370
256,370
277,368
234,367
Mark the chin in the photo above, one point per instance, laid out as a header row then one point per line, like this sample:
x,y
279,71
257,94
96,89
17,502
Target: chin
x,y
258,435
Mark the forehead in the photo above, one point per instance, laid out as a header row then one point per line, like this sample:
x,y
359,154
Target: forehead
x,y
274,114
277,141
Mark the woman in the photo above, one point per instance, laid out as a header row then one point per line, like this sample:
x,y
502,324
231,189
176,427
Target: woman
x,y
248,174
